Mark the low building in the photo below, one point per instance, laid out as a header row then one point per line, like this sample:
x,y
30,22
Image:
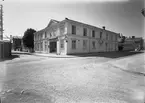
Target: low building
x,y
5,49
71,37
133,43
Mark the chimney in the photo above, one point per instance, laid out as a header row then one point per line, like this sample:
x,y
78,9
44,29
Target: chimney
x,y
103,27
133,37
66,18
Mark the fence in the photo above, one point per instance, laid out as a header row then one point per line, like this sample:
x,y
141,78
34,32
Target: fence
x,y
5,49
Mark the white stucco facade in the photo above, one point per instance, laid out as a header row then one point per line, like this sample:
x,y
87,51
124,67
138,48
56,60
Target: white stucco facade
x,y
72,37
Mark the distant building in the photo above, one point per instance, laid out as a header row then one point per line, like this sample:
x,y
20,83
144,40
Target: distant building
x,y
133,43
17,43
71,37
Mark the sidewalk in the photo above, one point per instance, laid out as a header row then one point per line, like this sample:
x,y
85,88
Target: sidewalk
x,y
51,55
112,55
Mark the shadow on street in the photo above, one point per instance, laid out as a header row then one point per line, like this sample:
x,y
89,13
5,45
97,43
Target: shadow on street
x,y
110,54
13,56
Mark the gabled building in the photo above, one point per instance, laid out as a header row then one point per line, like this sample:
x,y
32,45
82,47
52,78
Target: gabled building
x,y
71,37
17,43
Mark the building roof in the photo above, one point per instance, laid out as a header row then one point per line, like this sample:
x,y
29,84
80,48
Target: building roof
x,y
52,21
90,25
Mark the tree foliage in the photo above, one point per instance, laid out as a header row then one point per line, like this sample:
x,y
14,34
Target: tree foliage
x,y
28,38
120,47
143,12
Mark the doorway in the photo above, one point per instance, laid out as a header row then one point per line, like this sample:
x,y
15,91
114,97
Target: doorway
x,y
53,47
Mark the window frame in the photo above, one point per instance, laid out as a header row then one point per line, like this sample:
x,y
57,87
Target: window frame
x,y
62,44
84,31
94,44
84,44
73,44
106,36
93,33
73,28
101,34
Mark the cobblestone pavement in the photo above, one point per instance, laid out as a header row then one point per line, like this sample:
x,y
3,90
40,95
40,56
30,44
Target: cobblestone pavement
x,y
31,79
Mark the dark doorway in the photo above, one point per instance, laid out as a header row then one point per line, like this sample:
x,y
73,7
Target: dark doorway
x,y
53,46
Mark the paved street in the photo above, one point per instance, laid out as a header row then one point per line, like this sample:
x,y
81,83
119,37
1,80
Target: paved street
x,y
90,79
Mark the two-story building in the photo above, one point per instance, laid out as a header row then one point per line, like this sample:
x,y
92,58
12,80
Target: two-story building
x,y
71,37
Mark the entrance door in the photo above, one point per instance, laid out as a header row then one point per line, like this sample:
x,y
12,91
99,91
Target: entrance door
x,y
62,46
53,46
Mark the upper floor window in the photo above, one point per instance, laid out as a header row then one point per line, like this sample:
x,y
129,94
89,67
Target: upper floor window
x,y
93,33
45,35
100,34
73,44
73,29
106,36
85,31
111,37
116,37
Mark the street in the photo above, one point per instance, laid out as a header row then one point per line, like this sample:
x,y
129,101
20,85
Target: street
x,y
37,79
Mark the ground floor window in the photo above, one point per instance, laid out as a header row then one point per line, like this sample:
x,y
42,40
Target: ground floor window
x,y
106,46
45,45
61,44
73,44
93,44
36,46
41,46
84,44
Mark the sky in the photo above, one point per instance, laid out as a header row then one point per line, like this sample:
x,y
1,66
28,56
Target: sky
x,y
120,16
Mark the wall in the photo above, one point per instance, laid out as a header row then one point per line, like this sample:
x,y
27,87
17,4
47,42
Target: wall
x,y
5,49
111,41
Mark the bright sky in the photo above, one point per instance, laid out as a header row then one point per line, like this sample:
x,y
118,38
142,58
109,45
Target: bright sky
x,y
121,16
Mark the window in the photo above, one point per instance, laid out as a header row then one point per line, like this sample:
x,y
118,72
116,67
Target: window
x,y
93,44
106,36
93,33
84,44
45,45
73,29
73,44
45,35
111,37
100,35
50,34
38,46
61,44
85,31
41,46
116,38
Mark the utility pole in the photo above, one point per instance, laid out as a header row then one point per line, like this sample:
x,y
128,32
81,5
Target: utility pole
x,y
1,22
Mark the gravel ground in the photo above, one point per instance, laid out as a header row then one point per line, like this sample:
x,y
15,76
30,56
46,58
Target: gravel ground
x,y
32,79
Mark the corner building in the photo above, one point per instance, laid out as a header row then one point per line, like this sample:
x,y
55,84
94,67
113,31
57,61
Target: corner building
x,y
72,37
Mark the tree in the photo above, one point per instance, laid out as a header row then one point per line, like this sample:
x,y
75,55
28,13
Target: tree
x,y
143,12
28,38
121,46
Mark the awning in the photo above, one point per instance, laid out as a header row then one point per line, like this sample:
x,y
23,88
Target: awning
x,y
53,39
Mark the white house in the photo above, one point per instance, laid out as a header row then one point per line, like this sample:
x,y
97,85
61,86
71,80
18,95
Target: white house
x,y
72,37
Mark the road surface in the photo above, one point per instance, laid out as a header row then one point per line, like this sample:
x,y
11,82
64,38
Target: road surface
x,y
36,79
